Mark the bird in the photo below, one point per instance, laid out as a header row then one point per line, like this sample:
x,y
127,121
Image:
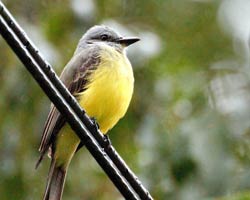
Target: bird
x,y
100,76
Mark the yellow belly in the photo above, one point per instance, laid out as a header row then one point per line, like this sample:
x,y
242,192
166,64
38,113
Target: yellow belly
x,y
110,89
106,98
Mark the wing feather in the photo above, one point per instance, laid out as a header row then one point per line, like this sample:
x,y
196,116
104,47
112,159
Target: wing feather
x,y
75,77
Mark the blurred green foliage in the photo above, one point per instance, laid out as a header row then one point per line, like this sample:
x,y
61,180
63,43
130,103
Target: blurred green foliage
x,y
183,135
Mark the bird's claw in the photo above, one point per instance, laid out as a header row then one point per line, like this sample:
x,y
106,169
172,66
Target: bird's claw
x,y
95,123
107,141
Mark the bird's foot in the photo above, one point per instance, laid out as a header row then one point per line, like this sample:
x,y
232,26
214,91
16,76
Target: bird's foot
x,y
107,141
95,124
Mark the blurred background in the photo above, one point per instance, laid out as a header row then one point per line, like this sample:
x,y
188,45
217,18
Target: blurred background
x,y
187,132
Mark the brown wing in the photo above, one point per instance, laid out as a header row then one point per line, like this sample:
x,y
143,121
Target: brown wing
x,y
74,76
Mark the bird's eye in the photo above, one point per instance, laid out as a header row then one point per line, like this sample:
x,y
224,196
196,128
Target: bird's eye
x,y
104,37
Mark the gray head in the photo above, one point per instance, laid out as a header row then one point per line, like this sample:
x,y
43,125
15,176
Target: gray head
x,y
101,33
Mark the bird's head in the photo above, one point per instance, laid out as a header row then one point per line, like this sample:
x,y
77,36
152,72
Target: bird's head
x,y
104,34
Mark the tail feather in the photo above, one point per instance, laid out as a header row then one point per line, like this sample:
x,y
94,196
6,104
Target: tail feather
x,y
55,182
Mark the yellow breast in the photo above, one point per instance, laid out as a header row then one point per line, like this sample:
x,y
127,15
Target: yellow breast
x,y
109,90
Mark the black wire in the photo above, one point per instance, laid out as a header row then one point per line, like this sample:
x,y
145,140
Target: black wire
x,y
114,156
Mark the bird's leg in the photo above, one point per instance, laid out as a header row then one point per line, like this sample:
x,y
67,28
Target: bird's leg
x,y
95,123
107,141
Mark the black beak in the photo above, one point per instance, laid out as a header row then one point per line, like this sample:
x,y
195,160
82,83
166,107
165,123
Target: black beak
x,y
126,41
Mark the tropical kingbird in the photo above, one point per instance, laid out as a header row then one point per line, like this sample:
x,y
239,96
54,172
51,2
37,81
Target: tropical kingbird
x,y
100,77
